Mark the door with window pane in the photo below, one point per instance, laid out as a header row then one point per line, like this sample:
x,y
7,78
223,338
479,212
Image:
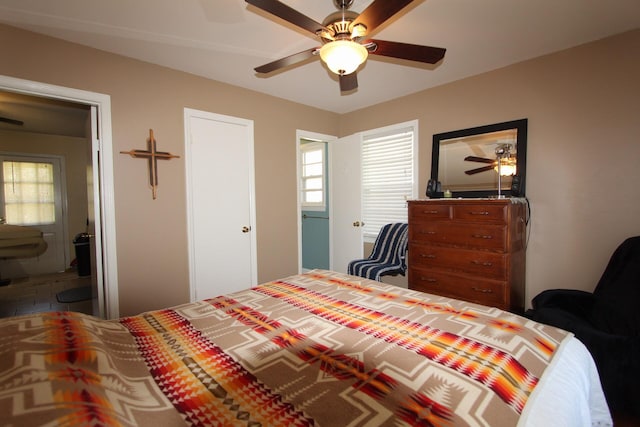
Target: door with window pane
x,y
31,196
314,204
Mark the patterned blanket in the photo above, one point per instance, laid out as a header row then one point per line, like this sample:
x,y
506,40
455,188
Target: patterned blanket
x,y
315,349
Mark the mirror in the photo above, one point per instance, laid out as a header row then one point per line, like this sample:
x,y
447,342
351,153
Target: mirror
x,y
465,163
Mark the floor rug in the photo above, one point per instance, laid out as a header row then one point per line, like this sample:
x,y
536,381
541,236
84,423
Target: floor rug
x,y
74,295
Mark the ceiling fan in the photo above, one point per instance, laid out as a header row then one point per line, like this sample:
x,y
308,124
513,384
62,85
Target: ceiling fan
x,y
343,34
11,121
504,163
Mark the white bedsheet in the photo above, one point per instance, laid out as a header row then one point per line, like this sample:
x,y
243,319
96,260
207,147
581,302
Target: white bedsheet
x,y
569,393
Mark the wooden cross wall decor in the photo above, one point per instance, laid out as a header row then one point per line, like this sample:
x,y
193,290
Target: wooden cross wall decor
x,y
152,156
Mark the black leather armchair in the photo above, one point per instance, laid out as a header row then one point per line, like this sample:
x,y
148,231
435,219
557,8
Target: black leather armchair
x,y
607,321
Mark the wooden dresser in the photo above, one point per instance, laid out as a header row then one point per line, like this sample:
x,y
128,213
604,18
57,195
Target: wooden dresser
x,y
469,249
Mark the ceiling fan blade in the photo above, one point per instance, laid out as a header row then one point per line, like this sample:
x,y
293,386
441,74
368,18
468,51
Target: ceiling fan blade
x,y
348,82
285,12
287,61
479,159
378,12
478,170
411,52
11,121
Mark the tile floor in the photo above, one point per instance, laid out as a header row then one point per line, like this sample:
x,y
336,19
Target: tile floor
x,y
38,293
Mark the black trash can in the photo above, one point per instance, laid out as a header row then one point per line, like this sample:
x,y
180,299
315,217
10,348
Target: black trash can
x,y
83,255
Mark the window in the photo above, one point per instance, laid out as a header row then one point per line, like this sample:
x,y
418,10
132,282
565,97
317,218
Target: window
x,y
29,196
388,176
313,175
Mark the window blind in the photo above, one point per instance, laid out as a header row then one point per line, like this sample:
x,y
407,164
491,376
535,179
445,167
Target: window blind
x,y
387,178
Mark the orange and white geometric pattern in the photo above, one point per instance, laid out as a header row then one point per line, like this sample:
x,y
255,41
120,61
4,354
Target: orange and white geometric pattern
x,y
320,348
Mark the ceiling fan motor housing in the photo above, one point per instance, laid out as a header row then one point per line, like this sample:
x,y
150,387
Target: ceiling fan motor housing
x,y
343,4
503,150
339,25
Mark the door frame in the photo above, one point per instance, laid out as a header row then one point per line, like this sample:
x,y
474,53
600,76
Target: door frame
x,y
303,134
102,157
189,114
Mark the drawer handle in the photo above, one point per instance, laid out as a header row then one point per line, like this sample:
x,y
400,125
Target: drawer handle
x,y
482,236
430,256
427,232
484,264
430,212
428,279
478,212
484,291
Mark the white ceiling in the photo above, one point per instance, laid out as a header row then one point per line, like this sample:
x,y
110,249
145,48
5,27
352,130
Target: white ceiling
x,y
225,39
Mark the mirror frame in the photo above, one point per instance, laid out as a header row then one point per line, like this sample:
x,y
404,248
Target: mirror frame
x,y
521,158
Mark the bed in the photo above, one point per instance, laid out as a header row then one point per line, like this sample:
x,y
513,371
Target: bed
x,y
320,348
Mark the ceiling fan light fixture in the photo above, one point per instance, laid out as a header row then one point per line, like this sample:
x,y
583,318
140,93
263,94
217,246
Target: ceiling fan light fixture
x,y
506,168
343,57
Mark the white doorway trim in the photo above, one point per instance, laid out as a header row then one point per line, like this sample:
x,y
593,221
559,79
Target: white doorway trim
x,y
303,134
102,153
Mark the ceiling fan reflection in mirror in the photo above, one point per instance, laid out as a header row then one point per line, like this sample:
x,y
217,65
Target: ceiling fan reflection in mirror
x,y
344,36
504,163
11,121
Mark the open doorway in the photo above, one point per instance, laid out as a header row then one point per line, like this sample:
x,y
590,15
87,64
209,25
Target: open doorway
x,y
313,201
45,152
74,126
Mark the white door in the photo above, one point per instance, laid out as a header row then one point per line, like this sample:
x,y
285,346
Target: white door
x,y
26,177
93,221
221,203
345,187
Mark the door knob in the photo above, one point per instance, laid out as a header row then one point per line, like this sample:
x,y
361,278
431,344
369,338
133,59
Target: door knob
x,y
246,229
358,224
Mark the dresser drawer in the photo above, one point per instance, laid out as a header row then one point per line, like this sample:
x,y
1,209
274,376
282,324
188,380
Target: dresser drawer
x,y
473,236
428,212
481,213
482,263
486,292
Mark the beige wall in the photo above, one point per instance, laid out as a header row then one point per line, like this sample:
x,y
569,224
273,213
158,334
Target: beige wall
x,y
583,156
582,170
74,151
152,234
